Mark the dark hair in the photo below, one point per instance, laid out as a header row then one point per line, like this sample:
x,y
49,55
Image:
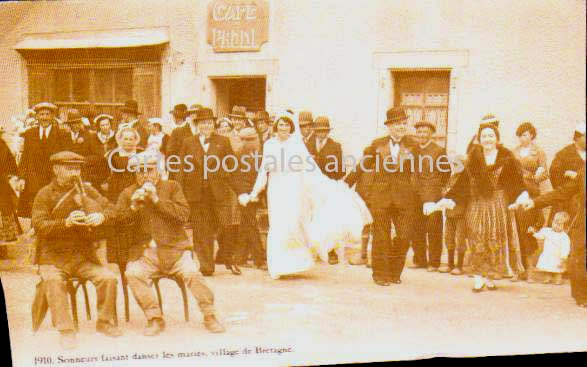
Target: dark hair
x,y
577,135
490,126
526,126
289,121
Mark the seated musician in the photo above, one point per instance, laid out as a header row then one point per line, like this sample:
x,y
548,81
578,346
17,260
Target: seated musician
x,y
66,216
159,211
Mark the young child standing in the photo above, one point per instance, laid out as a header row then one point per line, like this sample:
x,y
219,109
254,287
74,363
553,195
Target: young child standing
x,y
556,249
455,235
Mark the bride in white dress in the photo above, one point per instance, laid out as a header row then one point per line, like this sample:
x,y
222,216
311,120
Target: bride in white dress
x,y
308,212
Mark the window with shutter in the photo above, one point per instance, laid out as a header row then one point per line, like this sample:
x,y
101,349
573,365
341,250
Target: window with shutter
x,y
424,95
96,81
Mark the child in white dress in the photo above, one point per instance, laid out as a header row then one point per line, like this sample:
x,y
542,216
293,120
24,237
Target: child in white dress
x,y
556,249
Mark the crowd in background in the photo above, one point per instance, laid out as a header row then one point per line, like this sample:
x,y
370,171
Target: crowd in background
x,y
482,233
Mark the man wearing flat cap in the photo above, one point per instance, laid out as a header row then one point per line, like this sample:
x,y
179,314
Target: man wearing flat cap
x,y
67,216
429,183
130,117
180,133
40,143
392,196
206,182
158,211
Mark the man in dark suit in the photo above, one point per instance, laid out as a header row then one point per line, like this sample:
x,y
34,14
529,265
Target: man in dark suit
x,y
67,228
306,123
40,143
327,152
80,141
249,238
179,113
565,165
206,181
430,179
262,124
328,156
158,210
179,134
393,198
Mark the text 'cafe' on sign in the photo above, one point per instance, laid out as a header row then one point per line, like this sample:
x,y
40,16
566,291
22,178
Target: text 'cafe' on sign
x,y
236,26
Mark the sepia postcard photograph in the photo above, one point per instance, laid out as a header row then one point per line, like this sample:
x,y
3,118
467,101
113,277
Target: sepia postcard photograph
x,y
291,182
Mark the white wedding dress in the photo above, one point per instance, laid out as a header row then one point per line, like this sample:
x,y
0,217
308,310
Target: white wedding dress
x,y
308,212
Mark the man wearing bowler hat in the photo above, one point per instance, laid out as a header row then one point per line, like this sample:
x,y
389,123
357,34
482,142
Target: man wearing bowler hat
x,y
306,122
565,167
40,142
81,141
238,116
392,196
262,124
67,228
328,157
130,117
207,176
178,113
432,173
180,133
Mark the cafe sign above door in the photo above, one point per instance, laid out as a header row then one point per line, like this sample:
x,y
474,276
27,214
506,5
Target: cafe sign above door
x,y
238,25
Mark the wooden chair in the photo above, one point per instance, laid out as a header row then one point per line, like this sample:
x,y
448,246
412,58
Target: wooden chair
x,y
182,288
73,284
40,304
124,240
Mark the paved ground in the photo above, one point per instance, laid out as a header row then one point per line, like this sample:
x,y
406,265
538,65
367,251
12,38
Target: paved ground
x,y
332,314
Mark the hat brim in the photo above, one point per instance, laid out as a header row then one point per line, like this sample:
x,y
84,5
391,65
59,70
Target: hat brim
x,y
211,118
76,121
430,126
69,163
244,117
395,121
126,109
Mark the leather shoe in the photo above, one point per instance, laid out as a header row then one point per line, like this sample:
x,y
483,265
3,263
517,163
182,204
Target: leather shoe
x,y
108,330
395,281
235,270
444,269
432,269
381,282
358,261
212,324
456,271
68,339
154,327
262,267
332,258
417,266
207,273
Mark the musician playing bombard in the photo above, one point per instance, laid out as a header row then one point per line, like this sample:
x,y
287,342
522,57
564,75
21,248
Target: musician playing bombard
x,y
67,216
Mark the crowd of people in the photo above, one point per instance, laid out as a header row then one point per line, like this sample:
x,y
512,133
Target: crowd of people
x,y
92,203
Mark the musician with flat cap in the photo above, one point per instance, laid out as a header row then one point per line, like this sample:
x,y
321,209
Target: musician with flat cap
x,y
67,216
